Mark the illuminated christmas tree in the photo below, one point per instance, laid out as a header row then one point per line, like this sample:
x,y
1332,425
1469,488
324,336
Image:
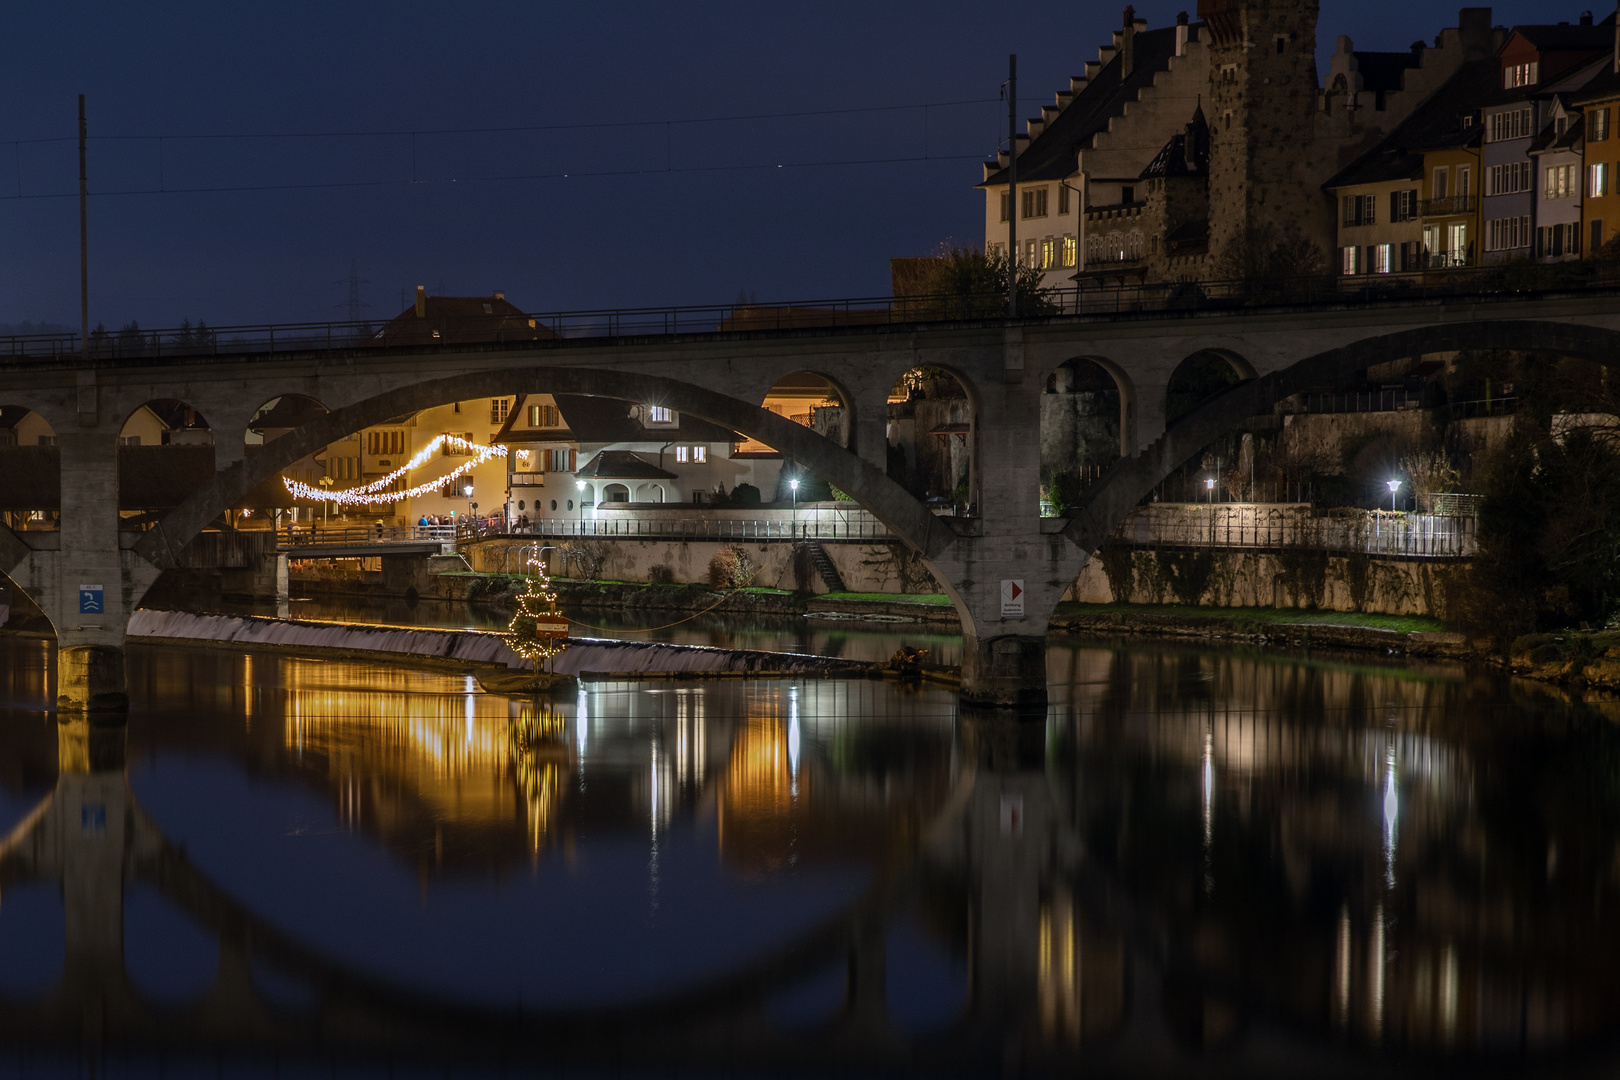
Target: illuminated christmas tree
x,y
538,631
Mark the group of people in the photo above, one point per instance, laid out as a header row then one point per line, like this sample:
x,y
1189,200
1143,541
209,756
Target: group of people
x,y
436,519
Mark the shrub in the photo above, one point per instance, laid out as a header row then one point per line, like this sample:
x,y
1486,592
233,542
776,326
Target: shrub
x,y
731,568
659,574
745,495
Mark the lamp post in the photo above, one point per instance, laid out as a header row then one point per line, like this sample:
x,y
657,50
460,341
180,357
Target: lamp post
x,y
579,498
1394,486
793,485
326,485
1209,487
468,491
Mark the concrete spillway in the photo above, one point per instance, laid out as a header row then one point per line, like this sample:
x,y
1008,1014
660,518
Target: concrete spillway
x,y
584,656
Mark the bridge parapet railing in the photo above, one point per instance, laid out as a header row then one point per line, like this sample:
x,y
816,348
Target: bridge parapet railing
x,y
1262,528
1092,299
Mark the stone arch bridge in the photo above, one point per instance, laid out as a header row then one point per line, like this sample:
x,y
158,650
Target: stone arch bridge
x,y
723,377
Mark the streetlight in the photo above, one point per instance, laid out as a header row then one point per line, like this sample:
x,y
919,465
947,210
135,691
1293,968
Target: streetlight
x,y
579,488
1209,486
467,491
1394,486
793,485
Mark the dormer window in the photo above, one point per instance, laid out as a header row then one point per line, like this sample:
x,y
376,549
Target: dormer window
x,y
1515,75
660,414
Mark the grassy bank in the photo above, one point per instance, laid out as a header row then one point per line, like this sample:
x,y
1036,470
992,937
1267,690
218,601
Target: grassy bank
x,y
1253,620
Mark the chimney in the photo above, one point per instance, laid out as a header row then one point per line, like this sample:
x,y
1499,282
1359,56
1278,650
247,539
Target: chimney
x,y
1586,18
1181,34
500,296
1127,43
421,301
1475,34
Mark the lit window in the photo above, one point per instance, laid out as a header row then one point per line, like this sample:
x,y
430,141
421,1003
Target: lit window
x,y
1071,250
680,454
1349,260
700,453
1597,180
1378,258
1048,253
660,414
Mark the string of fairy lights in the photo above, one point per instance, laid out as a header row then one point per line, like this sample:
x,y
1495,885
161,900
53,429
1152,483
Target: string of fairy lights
x,y
377,492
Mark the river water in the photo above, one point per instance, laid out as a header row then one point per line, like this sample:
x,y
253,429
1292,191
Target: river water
x,y
1198,862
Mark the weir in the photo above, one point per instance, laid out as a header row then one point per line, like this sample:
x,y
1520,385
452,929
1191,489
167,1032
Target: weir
x,y
466,648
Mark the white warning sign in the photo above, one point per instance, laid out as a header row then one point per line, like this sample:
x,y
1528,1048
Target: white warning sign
x,y
1012,598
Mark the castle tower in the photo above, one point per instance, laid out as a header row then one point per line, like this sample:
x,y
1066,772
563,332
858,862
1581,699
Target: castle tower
x,y
1262,103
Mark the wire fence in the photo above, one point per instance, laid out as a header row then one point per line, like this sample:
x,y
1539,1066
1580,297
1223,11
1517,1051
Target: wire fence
x,y
408,332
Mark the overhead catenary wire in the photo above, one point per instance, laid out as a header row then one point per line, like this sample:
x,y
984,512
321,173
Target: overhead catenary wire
x,y
667,166
509,178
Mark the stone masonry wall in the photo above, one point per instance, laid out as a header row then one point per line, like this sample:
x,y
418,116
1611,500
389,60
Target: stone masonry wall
x,y
1292,579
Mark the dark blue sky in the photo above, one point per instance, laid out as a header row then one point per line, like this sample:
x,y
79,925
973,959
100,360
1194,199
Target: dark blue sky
x,y
694,235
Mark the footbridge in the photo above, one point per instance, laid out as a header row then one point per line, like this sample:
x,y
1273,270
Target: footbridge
x,y
1278,347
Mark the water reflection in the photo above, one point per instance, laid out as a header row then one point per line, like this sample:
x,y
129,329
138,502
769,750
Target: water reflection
x,y
1201,859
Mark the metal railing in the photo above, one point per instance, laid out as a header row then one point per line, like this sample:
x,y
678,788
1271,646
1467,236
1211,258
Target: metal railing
x,y
1447,204
305,536
1122,299
1372,532
841,528
1386,400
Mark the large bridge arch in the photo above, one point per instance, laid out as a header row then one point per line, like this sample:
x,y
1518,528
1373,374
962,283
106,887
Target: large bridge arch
x,y
1131,479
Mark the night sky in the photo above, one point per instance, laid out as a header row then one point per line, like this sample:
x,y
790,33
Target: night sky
x,y
651,213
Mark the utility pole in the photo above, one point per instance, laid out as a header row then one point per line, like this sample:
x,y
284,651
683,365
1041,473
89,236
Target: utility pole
x,y
84,243
1012,186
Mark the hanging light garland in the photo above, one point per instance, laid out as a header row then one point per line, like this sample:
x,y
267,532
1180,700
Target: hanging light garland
x,y
376,493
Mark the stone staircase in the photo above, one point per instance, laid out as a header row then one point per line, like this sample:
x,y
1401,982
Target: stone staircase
x,y
825,567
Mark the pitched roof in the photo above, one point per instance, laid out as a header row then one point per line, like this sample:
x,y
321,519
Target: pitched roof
x,y
599,420
1051,154
1186,154
1606,84
622,465
1566,38
1385,70
1437,124
447,320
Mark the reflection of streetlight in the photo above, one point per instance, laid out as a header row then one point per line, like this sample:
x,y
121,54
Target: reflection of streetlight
x,y
579,487
793,485
1394,486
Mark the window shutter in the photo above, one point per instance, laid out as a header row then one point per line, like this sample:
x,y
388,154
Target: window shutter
x,y
573,460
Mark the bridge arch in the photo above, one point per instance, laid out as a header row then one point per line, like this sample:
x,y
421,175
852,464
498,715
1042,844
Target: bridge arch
x,y
943,436
890,503
30,440
1124,486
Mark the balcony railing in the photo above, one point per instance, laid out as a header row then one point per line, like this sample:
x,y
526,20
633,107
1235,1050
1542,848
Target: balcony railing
x,y
1451,204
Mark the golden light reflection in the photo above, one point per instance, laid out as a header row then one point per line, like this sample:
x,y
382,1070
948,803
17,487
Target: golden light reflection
x,y
472,758
760,791
1080,975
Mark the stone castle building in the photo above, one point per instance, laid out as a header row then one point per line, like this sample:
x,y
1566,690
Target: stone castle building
x,y
1195,151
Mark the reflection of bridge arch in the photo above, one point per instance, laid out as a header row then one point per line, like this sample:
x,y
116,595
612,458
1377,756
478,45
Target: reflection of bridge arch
x,y
91,837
